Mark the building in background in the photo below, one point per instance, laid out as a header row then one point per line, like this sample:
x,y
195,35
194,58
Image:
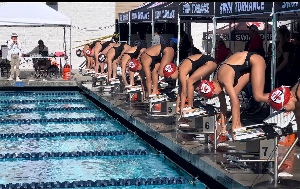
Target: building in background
x,y
90,20
122,7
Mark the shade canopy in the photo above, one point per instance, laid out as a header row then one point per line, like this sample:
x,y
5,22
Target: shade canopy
x,y
31,14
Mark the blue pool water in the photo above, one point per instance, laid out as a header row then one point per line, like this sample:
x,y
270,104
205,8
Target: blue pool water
x,y
137,170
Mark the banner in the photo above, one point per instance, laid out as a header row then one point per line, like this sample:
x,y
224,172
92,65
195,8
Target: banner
x,y
209,36
166,13
140,16
196,9
236,36
286,6
242,8
123,17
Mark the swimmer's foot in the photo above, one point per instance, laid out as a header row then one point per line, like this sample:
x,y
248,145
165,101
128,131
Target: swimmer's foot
x,y
236,131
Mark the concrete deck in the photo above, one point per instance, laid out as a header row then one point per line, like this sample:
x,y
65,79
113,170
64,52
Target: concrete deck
x,y
163,130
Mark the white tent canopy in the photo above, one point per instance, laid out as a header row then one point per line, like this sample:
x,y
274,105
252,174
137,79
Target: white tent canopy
x,y
31,14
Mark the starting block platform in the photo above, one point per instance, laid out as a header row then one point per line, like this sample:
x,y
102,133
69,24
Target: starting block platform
x,y
161,106
262,143
87,72
133,94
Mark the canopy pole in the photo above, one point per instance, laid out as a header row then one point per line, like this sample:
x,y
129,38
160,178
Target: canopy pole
x,y
213,54
266,33
152,24
65,44
207,40
70,46
119,31
178,44
229,45
129,29
24,38
273,62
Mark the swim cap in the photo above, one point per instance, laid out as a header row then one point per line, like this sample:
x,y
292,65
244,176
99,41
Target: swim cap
x,y
169,69
279,97
78,52
101,58
206,88
89,52
134,65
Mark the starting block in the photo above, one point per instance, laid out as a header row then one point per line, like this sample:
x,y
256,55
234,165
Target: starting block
x,y
195,113
101,79
163,84
86,72
161,106
262,144
216,103
134,93
201,122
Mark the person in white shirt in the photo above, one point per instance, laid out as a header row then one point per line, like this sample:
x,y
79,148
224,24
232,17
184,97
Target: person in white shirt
x,y
14,54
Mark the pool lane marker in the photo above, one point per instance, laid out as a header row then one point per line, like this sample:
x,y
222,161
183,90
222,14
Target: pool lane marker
x,y
25,110
99,183
40,101
55,120
34,156
62,134
38,93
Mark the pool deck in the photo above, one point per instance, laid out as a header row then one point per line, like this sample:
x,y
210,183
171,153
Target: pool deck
x,y
163,130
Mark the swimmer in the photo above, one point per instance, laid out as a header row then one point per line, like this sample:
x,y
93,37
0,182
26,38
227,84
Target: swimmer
x,y
231,77
153,60
132,53
190,72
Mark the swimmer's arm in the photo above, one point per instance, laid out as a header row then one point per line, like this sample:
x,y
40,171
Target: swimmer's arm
x,y
139,56
284,62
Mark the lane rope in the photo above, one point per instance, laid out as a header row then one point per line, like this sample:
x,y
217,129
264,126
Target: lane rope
x,y
62,134
99,183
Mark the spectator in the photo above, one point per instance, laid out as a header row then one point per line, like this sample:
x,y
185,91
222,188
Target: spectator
x,y
256,42
14,55
40,49
295,66
222,52
285,51
140,40
157,39
184,46
247,46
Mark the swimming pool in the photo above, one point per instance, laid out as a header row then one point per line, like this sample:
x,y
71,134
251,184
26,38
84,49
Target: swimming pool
x,y
63,140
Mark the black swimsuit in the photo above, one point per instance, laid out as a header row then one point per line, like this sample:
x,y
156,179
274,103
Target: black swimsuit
x,y
157,59
93,44
241,69
104,45
118,51
199,62
136,53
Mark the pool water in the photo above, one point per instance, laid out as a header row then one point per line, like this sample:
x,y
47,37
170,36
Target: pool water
x,y
81,168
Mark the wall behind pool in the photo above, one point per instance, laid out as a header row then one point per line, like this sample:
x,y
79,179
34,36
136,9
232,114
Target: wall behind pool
x,y
89,15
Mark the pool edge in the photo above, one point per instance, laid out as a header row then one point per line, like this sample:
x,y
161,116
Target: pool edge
x,y
206,168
